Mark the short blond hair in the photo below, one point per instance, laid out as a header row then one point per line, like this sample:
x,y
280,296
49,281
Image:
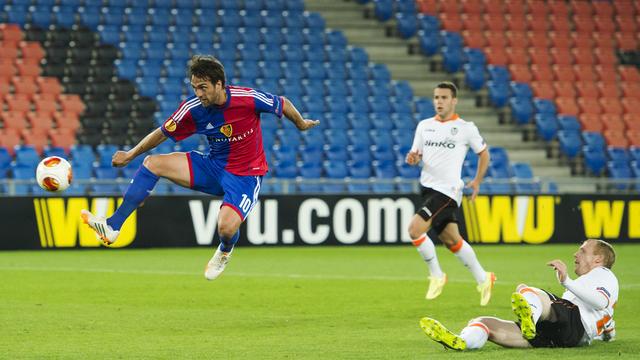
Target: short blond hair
x,y
605,250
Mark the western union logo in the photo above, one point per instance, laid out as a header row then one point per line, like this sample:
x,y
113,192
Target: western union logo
x,y
603,219
60,226
510,219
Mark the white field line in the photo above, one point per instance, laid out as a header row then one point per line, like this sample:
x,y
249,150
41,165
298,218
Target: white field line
x,y
243,274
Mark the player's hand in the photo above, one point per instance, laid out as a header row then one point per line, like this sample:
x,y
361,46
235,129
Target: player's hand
x,y
475,186
412,158
560,268
307,124
120,158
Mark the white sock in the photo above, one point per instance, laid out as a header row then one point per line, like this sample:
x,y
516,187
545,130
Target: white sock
x,y
534,302
467,256
475,335
427,250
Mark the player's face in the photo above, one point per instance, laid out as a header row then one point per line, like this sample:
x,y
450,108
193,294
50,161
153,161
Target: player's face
x,y
207,92
585,259
444,102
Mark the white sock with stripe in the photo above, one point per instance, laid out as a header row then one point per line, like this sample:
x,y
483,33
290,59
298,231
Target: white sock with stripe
x,y
534,302
427,250
475,335
464,252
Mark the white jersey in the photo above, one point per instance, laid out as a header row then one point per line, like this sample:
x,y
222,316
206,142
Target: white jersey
x,y
443,146
599,285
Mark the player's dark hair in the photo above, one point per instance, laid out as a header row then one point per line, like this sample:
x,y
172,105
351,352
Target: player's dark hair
x,y
448,85
605,249
206,67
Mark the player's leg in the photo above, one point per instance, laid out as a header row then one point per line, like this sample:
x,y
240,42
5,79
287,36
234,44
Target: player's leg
x,y
452,239
174,166
502,332
530,305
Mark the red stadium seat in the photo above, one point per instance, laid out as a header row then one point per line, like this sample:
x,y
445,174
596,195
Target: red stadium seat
x,y
493,7
8,52
40,120
626,24
581,7
517,55
517,39
603,41
537,23
64,138
13,120
558,8
28,67
5,88
623,7
516,22
630,89
567,106
427,6
629,73
540,56
585,73
520,73
72,103
474,39
495,22
589,106
603,8
630,105
49,85
611,105
472,22
591,122
18,102
632,121
45,104
451,22
472,6
565,88
612,122
626,41
9,138
605,56
608,89
541,72
538,39
38,138
31,50
582,40
67,120
561,56
543,89
587,89
561,40
583,56
634,138
584,24
496,39
449,7
604,25
24,85
607,73
616,138
537,7
10,32
559,23
515,7
563,73
496,56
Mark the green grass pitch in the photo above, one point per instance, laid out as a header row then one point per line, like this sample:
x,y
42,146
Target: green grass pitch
x,y
273,303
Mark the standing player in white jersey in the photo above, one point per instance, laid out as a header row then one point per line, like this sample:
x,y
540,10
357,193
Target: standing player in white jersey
x,y
441,143
584,312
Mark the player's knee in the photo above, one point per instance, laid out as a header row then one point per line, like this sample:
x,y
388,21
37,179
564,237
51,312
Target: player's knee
x,y
151,163
226,230
520,287
448,240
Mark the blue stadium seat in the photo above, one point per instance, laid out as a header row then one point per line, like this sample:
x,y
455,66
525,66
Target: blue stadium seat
x,y
594,140
451,58
521,109
619,171
380,73
635,169
54,151
424,108
429,42
521,90
406,24
285,169
428,23
634,152
336,38
617,154
570,143
5,161
499,156
407,171
474,56
594,159
546,126
499,74
568,123
26,156
314,21
544,106
383,9
498,93
105,152
474,76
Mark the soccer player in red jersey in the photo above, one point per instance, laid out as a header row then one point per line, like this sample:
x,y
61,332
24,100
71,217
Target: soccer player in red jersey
x,y
233,168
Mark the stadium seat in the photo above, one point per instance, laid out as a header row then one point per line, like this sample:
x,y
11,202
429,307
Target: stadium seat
x,y
570,143
594,159
521,109
546,126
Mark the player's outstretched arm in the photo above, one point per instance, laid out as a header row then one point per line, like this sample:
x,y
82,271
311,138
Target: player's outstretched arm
x,y
122,158
595,298
293,114
483,165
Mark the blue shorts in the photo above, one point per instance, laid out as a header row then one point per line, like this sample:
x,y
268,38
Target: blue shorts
x,y
209,176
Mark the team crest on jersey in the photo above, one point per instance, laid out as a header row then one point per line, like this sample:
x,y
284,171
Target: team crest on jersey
x,y
170,125
454,130
227,130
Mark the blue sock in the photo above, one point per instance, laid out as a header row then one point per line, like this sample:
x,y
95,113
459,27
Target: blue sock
x,y
226,244
140,187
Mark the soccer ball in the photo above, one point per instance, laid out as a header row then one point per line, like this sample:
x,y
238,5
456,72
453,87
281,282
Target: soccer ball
x,y
54,174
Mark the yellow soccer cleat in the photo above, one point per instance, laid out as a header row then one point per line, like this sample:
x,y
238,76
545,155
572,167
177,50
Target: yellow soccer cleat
x,y
436,284
523,312
485,288
437,332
